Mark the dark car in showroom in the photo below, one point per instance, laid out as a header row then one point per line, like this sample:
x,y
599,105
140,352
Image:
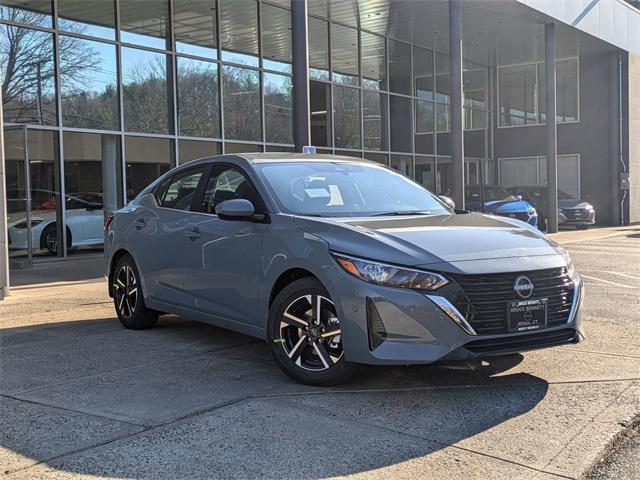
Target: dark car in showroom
x,y
498,200
571,212
336,261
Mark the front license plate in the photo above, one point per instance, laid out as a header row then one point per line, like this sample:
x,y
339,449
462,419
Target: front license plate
x,y
526,315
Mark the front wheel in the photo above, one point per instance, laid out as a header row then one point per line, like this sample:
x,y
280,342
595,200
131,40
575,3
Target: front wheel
x,y
305,336
128,299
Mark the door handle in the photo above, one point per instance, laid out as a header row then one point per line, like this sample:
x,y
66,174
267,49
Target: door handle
x,y
193,234
139,223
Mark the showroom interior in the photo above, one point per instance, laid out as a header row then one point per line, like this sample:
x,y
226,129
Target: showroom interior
x,y
100,98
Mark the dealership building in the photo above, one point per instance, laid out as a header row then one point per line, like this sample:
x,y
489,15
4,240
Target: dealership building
x,y
100,97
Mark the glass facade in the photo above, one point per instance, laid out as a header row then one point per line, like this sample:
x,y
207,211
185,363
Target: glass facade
x,y
128,89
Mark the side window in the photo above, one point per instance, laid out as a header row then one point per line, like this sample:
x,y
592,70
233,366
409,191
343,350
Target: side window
x,y
226,183
178,191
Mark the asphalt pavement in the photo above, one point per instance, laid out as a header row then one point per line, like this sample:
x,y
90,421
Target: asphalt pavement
x,y
80,397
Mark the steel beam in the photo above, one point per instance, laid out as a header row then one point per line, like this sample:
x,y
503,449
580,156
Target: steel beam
x,y
300,42
457,117
551,127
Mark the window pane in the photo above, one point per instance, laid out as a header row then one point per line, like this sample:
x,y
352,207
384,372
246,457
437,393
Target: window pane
x,y
239,31
89,89
381,158
198,104
346,104
195,29
144,83
566,91
93,183
31,12
318,48
146,159
344,57
474,88
399,67
189,150
144,23
442,78
518,172
517,95
241,87
374,64
443,113
423,72
401,128
242,148
276,38
96,18
425,169
444,176
320,100
181,189
278,108
424,117
28,75
403,164
374,111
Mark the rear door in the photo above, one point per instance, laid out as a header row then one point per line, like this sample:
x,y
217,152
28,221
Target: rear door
x,y
222,259
160,234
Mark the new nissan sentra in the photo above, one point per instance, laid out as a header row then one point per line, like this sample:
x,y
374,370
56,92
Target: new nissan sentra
x,y
336,261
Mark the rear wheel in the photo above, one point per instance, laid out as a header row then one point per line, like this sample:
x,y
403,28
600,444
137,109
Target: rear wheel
x,y
128,299
305,336
49,238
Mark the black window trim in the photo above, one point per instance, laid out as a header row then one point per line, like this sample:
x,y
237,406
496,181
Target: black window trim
x,y
158,193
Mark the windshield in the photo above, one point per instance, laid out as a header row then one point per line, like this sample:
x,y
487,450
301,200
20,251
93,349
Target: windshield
x,y
346,189
491,193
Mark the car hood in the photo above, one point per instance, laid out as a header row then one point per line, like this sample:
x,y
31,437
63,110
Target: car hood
x,y
435,239
501,206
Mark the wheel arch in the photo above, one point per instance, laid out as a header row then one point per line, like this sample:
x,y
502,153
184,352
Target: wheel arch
x,y
288,276
53,224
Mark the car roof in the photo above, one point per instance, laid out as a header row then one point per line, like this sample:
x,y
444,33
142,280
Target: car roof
x,y
283,157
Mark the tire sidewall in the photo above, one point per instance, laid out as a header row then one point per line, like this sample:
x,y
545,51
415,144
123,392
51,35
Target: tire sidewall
x,y
331,376
140,311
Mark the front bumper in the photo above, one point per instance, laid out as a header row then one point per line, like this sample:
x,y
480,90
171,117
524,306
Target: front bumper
x,y
580,218
419,331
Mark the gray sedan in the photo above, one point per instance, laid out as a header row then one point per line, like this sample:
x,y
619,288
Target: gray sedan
x,y
334,262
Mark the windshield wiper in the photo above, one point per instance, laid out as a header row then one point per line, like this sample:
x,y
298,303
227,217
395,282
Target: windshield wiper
x,y
402,212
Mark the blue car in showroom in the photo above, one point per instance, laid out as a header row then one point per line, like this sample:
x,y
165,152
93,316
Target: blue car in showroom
x,y
499,201
310,254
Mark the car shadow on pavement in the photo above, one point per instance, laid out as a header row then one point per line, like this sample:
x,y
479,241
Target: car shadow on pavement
x,y
188,400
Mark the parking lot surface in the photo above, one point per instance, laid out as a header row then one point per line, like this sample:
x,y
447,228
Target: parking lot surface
x,y
80,397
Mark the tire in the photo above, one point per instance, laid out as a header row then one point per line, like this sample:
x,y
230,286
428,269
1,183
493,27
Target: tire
x,y
49,239
308,352
128,299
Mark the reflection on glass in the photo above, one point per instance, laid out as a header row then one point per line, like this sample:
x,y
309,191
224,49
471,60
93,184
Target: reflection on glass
x,y
399,67
374,113
320,101
31,12
517,95
239,31
423,73
424,117
566,91
278,108
89,89
28,73
381,158
241,87
318,48
444,176
198,104
403,164
373,58
443,117
16,191
425,170
276,38
195,29
242,148
144,84
443,86
93,185
144,23
146,159
344,54
346,117
95,18
474,88
401,128
189,150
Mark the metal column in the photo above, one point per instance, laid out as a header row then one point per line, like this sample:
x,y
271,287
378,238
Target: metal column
x,y
551,126
300,42
4,240
455,76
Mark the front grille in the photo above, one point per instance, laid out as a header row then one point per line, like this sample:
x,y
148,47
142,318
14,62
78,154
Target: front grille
x,y
572,214
517,215
484,302
523,342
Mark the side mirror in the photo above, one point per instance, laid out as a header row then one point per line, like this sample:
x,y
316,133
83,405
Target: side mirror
x,y
519,197
235,209
449,201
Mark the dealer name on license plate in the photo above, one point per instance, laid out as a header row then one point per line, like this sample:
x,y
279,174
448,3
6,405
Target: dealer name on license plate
x,y
526,315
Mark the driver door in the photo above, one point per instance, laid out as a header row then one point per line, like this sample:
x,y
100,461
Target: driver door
x,y
223,258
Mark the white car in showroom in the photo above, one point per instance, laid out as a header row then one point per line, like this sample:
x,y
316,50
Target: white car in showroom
x,y
84,222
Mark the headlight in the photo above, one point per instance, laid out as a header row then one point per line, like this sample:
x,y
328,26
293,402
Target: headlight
x,y
589,208
531,212
389,275
570,269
